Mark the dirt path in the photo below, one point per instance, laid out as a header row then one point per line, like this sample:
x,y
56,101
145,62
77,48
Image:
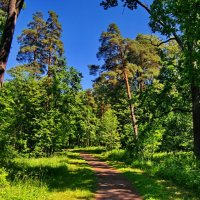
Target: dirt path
x,y
111,183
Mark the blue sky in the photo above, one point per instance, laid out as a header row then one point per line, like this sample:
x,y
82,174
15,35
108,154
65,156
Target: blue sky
x,y
83,22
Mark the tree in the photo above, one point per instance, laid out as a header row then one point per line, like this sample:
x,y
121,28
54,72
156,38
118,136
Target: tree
x,y
31,49
134,62
14,8
27,124
41,48
39,121
178,20
86,121
3,9
109,136
147,59
52,44
113,50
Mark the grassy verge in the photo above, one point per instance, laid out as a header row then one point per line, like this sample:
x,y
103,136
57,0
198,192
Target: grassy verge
x,y
165,176
62,177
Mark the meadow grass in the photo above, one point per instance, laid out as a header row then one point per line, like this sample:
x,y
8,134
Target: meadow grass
x,y
164,176
62,177
66,176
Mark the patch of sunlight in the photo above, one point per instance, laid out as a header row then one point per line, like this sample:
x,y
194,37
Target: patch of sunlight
x,y
72,195
178,193
161,181
76,161
171,188
135,170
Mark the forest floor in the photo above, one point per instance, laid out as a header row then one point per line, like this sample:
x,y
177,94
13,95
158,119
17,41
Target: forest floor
x,y
112,185
72,175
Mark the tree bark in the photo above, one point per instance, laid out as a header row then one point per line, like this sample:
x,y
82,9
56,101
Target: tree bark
x,y
132,109
195,90
14,9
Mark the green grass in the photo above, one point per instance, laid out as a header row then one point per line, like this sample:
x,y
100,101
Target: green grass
x,y
66,176
152,180
61,177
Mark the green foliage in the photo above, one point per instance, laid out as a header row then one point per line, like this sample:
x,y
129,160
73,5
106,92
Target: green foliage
x,y
86,121
109,136
179,138
156,80
35,116
146,59
41,115
178,21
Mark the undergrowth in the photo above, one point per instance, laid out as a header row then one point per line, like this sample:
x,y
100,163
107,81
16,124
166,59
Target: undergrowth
x,y
179,169
64,176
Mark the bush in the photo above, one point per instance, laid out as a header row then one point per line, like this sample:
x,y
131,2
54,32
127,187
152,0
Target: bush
x,y
4,184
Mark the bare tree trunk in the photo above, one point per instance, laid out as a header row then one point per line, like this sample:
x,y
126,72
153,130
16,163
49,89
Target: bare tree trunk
x,y
14,9
132,109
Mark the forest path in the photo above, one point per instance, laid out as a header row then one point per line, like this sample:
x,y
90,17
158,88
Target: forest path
x,y
112,185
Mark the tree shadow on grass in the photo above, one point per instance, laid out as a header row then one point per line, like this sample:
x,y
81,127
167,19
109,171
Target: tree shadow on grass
x,y
60,178
57,178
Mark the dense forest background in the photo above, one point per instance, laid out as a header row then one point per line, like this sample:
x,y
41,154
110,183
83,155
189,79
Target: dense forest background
x,y
140,99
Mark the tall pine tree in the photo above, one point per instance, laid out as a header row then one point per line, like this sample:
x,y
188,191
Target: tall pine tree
x,y
41,48
114,50
31,40
52,44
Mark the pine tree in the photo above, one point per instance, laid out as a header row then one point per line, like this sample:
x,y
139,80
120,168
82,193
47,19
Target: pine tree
x,y
145,57
41,48
114,51
179,21
52,44
31,39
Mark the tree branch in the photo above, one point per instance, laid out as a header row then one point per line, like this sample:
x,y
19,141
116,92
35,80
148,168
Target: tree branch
x,y
162,24
112,3
178,41
144,6
163,42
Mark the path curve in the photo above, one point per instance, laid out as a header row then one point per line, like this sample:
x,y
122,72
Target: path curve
x,y
112,185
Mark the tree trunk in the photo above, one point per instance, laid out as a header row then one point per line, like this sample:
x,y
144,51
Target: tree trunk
x,y
132,109
14,9
196,118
